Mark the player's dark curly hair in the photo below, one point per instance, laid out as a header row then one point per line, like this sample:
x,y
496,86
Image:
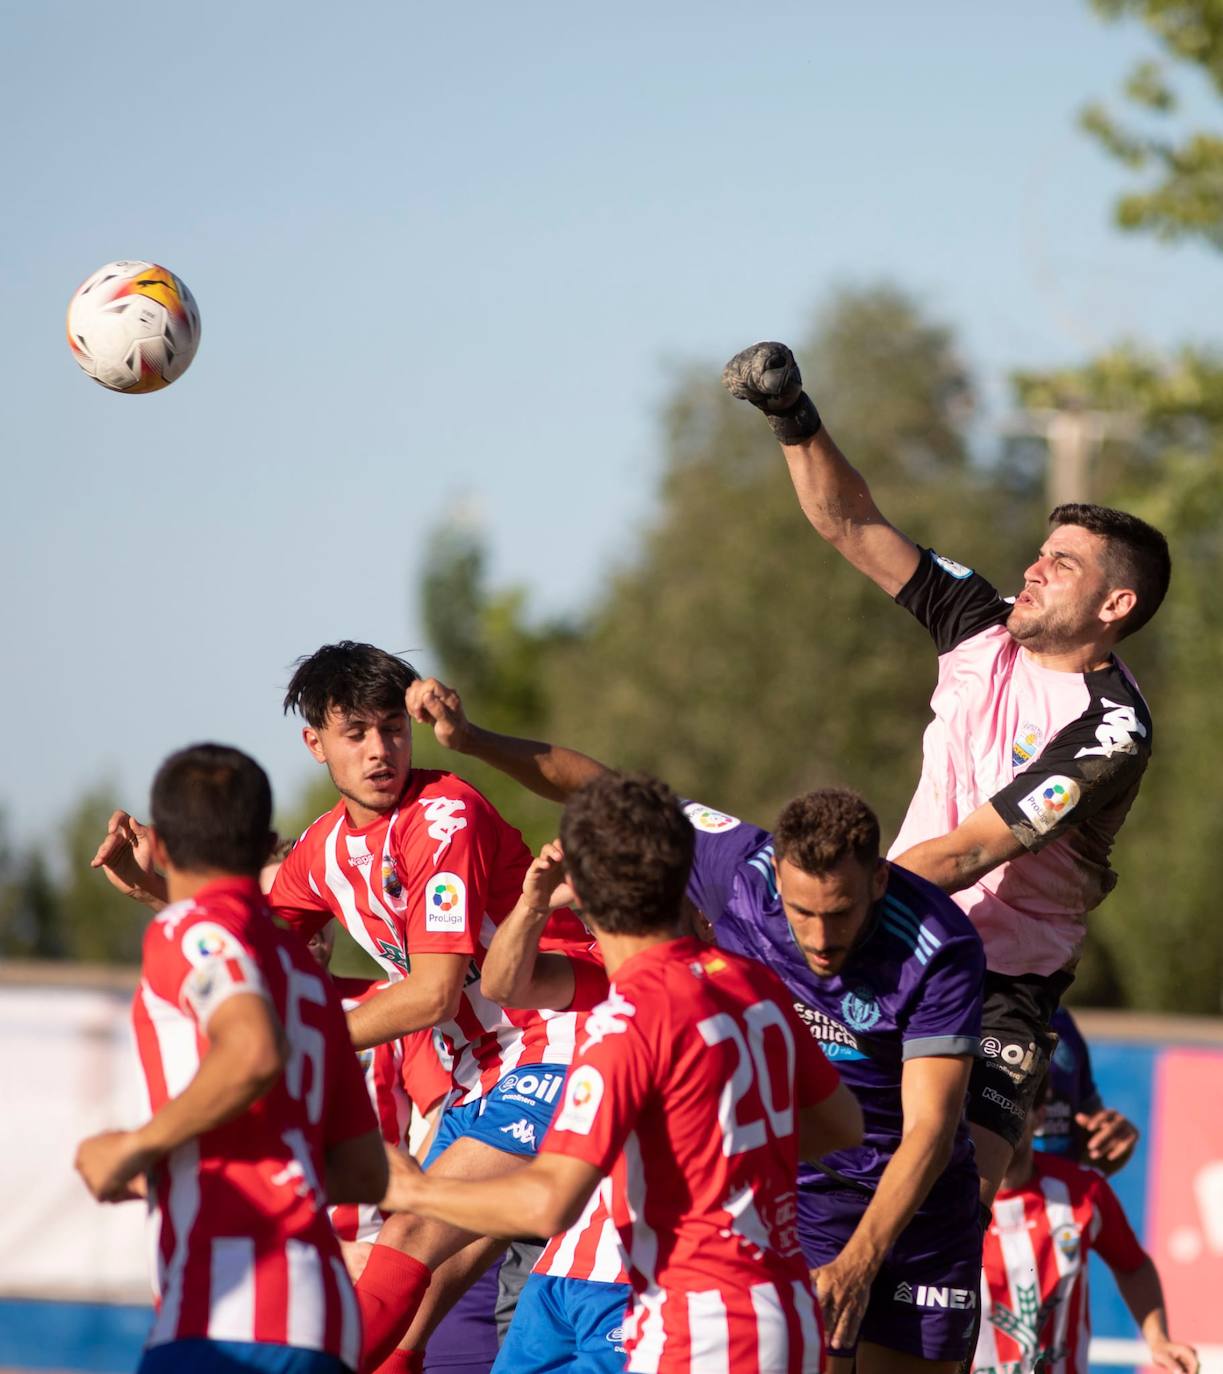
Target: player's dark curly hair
x,y
628,849
350,678
817,830
1137,555
212,809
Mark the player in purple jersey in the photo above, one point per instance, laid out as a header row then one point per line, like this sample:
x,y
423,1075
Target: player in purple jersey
x,y
1038,741
886,972
1075,1123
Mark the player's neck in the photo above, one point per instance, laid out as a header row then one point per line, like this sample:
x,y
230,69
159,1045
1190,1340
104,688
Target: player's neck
x,y
182,884
1078,658
619,949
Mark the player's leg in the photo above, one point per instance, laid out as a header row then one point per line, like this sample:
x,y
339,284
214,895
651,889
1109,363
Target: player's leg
x,y
541,1339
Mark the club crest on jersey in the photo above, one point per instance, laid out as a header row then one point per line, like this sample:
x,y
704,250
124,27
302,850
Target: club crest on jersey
x,y
206,940
390,878
445,903
951,567
582,1098
1026,744
443,821
710,821
860,1008
1048,802
1067,1240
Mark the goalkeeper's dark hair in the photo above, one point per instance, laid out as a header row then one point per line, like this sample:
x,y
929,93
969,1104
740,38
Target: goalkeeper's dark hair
x,y
350,678
628,850
1136,556
212,809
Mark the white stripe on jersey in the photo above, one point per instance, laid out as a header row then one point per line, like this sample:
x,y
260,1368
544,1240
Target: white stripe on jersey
x,y
611,1263
177,1044
645,1325
341,889
1061,1213
644,1244
231,1289
184,1207
709,1332
350,1316
562,1031
307,1318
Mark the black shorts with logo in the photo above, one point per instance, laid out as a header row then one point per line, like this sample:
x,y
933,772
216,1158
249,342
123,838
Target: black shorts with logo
x,y
1016,1047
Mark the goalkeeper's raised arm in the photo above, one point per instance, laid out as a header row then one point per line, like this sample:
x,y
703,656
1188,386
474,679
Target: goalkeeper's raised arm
x,y
833,495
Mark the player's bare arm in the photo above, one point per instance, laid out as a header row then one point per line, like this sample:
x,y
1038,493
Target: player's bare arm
x,y
932,1099
833,1124
125,857
1143,1295
515,973
956,860
429,995
542,1198
833,495
549,770
245,1057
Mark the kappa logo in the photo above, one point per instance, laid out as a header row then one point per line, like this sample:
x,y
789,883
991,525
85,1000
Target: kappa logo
x,y
933,1295
1118,733
1004,1102
522,1130
444,821
610,1017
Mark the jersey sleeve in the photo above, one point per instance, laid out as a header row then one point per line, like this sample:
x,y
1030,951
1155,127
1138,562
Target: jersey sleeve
x,y
349,1111
1072,780
944,1014
1114,1239
606,1088
425,1080
445,916
951,601
197,964
723,844
294,900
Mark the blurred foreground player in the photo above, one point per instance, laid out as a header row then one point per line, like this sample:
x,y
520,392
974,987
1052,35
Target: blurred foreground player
x,y
696,1089
1075,1122
1035,1311
260,1115
1039,738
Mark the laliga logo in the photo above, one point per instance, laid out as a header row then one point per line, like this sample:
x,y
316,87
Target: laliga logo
x,y
582,1092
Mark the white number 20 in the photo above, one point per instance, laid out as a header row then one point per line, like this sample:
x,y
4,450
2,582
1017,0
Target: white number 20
x,y
751,1065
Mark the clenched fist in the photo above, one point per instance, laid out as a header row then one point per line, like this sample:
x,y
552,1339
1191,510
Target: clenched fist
x,y
767,375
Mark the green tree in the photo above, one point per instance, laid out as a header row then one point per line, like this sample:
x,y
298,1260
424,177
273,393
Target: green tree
x,y
99,925
1183,193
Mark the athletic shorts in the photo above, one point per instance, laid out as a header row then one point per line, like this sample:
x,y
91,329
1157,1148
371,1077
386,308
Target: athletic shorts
x,y
924,1298
203,1356
1016,1047
514,1115
566,1324
465,1341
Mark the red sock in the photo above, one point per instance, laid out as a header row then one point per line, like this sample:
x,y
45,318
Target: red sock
x,y
389,1293
403,1362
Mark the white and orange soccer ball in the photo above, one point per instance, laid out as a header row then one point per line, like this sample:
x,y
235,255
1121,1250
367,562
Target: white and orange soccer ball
x,y
133,326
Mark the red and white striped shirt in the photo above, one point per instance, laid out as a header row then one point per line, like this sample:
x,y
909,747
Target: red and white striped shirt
x,y
434,876
1034,1302
400,1075
686,1089
244,1250
590,1249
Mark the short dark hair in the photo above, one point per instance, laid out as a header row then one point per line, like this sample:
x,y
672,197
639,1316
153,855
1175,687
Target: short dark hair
x,y
1136,555
212,809
817,830
351,678
628,849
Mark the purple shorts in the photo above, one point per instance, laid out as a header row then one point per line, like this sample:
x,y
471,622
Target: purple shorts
x,y
465,1341
924,1299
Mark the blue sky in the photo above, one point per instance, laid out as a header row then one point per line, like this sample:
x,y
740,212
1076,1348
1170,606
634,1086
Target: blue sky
x,y
447,262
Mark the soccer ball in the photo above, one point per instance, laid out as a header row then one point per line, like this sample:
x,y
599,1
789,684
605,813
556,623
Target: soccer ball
x,y
133,326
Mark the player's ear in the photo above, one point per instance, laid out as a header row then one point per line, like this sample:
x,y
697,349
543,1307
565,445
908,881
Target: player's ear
x,y
879,883
1118,604
313,743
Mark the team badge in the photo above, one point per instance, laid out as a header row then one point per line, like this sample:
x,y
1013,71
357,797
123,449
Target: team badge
x,y
1026,744
950,566
860,1009
710,821
390,878
1067,1240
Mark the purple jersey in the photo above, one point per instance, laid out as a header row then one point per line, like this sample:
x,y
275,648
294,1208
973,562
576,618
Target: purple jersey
x,y
910,988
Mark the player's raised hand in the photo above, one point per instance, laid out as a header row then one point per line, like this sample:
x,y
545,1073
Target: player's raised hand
x,y
767,375
125,856
1111,1138
545,887
113,1164
431,702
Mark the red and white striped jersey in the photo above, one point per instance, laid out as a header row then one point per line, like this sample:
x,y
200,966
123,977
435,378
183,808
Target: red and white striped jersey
x,y
434,876
244,1250
590,1248
1034,1303
400,1076
686,1088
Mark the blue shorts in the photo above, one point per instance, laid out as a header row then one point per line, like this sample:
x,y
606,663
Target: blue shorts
x,y
924,1298
513,1115
202,1356
566,1324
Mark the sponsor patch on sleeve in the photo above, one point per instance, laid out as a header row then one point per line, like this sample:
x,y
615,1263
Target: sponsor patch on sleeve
x,y
1046,805
211,983
445,904
951,567
583,1093
206,940
707,819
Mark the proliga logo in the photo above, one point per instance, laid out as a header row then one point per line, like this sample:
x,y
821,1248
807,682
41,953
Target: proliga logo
x,y
445,897
1049,801
1056,798
445,903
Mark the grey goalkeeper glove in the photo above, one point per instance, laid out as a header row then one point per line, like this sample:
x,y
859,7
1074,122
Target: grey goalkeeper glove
x,y
767,376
